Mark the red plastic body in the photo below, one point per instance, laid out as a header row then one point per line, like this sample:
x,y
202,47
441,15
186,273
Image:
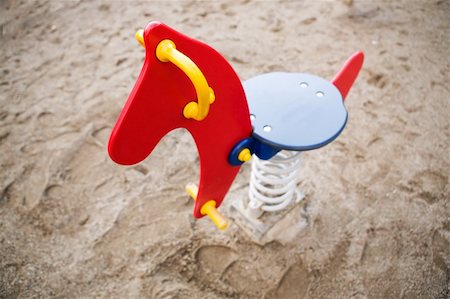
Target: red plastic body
x,y
155,107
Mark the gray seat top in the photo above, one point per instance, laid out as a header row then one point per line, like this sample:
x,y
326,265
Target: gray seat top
x,y
294,111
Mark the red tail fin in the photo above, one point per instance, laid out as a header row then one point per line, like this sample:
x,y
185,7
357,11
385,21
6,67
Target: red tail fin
x,y
345,78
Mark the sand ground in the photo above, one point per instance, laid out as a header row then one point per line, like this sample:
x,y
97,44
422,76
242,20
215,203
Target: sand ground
x,y
75,225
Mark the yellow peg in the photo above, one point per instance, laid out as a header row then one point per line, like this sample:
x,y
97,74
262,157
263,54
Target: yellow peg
x,y
245,155
192,191
209,208
140,37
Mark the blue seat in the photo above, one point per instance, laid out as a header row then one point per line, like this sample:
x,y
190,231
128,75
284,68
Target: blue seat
x,y
294,111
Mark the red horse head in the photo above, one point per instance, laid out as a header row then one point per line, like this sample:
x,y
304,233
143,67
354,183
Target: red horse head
x,y
155,107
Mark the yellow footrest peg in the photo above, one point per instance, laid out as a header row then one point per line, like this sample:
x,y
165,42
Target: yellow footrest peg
x,y
209,208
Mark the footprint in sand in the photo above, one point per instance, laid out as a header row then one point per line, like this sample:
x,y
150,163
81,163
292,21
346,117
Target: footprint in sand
x,y
441,258
293,284
429,185
380,253
213,261
245,277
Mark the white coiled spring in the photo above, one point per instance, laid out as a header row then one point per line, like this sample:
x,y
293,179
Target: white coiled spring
x,y
273,183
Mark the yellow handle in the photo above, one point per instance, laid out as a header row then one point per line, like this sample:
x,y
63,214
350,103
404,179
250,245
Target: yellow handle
x,y
140,37
209,208
166,51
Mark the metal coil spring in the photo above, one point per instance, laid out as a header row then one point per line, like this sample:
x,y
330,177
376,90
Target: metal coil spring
x,y
273,182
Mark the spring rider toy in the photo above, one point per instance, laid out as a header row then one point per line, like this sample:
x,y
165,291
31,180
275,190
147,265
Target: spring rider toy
x,y
184,83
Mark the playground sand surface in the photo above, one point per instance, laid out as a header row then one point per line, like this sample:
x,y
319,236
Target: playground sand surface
x,y
75,225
